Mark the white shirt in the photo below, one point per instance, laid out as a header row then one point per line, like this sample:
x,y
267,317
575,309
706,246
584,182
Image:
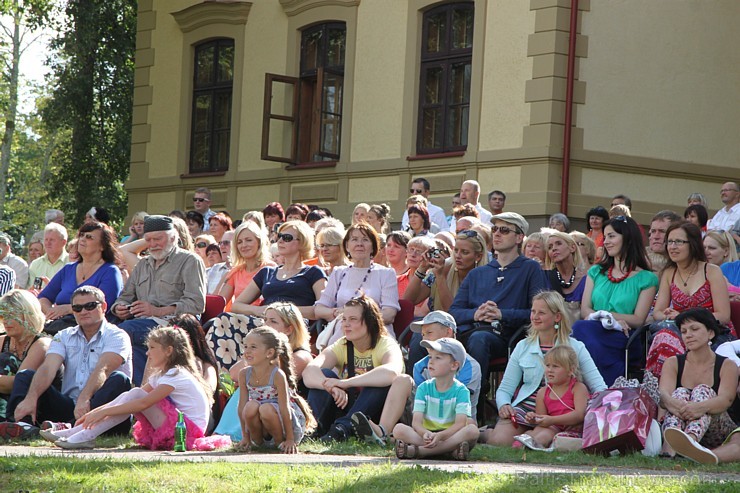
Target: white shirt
x,y
436,216
19,266
485,218
725,220
188,394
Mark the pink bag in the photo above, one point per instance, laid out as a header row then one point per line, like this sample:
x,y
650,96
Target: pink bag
x,y
618,419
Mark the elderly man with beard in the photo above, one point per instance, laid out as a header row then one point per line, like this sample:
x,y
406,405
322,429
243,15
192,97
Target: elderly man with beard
x,y
168,283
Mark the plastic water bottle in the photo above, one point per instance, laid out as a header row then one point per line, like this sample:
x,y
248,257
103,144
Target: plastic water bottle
x,y
180,433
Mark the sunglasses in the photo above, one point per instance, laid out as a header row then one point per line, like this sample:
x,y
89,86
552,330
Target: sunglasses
x,y
87,306
620,218
87,236
201,244
504,230
224,242
286,237
323,246
416,192
199,199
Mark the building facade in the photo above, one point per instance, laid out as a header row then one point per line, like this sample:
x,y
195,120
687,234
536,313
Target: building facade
x,y
336,102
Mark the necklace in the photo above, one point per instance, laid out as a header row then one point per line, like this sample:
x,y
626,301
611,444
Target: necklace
x,y
362,283
685,281
21,354
284,273
260,381
617,280
566,284
90,271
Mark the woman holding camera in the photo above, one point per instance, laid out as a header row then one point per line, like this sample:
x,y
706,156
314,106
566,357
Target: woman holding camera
x,y
360,245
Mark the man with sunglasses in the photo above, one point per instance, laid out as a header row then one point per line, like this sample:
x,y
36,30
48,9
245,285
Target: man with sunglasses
x,y
96,356
494,300
169,282
420,186
202,204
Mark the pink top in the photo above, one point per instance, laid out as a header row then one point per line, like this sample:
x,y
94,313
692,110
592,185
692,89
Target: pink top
x,y
564,405
239,280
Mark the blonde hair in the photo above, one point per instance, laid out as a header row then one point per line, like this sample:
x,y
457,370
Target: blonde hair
x,y
556,304
590,245
383,212
25,308
263,252
207,238
291,316
619,210
182,356
726,241
305,237
571,242
566,357
279,343
256,217
185,241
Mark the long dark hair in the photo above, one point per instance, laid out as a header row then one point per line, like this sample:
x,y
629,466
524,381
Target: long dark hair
x,y
693,235
371,316
633,253
107,240
192,327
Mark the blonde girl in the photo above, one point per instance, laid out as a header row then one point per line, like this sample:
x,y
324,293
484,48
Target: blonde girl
x,y
268,403
175,385
561,403
359,214
287,319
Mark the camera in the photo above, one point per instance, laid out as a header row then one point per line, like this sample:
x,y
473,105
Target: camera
x,y
434,253
37,283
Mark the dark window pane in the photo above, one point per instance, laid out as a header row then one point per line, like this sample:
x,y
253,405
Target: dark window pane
x,y
336,48
433,92
221,154
458,129
202,113
201,152
431,128
331,117
226,63
204,59
222,114
460,83
462,29
436,32
310,49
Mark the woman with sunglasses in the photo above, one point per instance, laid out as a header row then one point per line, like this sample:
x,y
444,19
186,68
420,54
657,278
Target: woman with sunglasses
x,y
688,281
291,281
617,297
565,271
96,246
202,242
363,276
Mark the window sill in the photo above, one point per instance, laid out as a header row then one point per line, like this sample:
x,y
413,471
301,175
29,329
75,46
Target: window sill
x,y
203,174
439,155
312,165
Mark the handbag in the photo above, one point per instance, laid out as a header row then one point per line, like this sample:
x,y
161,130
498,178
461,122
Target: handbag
x,y
618,419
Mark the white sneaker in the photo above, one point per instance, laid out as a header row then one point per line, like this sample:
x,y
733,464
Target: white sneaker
x,y
686,446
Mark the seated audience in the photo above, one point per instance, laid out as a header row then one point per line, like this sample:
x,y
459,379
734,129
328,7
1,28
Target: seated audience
x,y
595,220
419,222
617,298
96,247
202,242
359,214
697,214
195,222
587,247
136,230
697,198
696,390
296,212
720,251
329,245
566,272
535,247
396,252
219,224
51,262
379,217
559,222
515,397
367,360
23,346
9,259
35,248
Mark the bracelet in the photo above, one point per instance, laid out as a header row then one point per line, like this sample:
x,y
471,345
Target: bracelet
x,y
419,274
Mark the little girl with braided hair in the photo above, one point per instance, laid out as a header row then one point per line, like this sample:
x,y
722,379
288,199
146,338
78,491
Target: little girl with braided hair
x,y
270,411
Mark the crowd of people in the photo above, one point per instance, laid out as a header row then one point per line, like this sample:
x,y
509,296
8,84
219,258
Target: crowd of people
x,y
97,331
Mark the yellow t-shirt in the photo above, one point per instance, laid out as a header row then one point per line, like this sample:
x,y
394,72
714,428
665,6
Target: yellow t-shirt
x,y
364,361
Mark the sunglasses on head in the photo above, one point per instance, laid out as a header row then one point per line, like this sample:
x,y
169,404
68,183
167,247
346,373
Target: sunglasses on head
x,y
87,306
504,230
620,218
201,244
286,237
468,233
199,199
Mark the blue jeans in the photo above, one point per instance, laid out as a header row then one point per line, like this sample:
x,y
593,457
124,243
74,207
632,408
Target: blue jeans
x,y
370,401
138,329
55,406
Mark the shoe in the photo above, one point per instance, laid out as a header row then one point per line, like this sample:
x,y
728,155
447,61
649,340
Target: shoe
x,y
49,436
63,443
336,433
51,425
364,430
462,452
686,446
530,443
17,431
406,450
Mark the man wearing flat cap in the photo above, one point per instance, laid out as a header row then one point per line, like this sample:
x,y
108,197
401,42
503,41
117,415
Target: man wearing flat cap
x,y
169,282
499,293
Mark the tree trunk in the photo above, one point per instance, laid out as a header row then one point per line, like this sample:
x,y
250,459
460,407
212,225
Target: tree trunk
x,y
10,117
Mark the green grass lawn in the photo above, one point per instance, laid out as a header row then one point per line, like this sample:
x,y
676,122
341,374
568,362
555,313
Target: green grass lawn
x,y
69,474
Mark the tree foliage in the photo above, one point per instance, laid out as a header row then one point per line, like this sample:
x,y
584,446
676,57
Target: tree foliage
x,y
92,95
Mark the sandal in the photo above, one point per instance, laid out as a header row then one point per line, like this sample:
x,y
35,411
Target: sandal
x,y
406,450
462,452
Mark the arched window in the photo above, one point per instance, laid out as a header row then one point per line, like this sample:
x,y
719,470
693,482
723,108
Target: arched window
x,y
213,79
444,90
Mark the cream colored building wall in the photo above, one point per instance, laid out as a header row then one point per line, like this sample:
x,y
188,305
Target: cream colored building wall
x,y
378,80
662,80
506,69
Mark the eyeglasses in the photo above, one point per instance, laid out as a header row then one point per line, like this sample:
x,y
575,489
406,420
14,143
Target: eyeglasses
x,y
200,199
87,306
416,192
286,237
414,251
677,243
504,230
323,246
201,244
87,236
728,190
224,242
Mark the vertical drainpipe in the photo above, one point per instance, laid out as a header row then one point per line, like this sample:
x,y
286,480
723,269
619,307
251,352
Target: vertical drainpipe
x,y
569,106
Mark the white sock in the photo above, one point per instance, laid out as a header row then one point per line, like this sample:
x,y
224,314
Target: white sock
x,y
69,432
85,435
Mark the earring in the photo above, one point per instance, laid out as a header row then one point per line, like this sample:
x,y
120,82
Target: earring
x,y
557,325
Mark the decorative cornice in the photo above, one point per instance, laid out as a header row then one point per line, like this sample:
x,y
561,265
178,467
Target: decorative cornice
x,y
207,13
295,7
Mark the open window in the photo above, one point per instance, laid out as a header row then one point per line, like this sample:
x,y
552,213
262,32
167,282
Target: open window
x,y
302,117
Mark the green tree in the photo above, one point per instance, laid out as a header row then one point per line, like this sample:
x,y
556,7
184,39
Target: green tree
x,y
92,94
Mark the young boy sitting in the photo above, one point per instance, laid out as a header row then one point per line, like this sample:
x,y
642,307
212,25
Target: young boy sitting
x,y
441,408
398,407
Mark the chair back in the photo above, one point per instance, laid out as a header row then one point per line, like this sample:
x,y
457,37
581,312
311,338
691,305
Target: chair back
x,y
215,304
403,319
